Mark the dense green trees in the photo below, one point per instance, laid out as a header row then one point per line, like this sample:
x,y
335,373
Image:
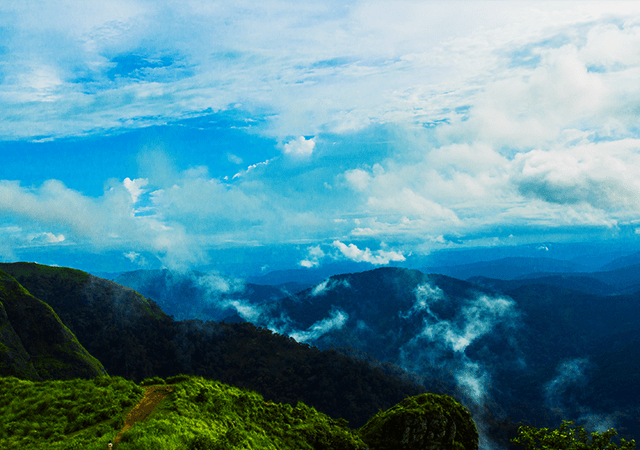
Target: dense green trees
x,y
568,437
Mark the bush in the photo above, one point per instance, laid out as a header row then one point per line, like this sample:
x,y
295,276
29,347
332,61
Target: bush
x,y
152,381
568,437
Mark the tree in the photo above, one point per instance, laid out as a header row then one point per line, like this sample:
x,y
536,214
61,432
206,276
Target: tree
x,y
568,437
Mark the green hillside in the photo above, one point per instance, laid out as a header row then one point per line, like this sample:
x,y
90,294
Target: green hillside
x,y
34,343
192,414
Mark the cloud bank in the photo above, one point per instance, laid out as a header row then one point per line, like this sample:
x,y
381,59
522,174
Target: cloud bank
x,y
389,133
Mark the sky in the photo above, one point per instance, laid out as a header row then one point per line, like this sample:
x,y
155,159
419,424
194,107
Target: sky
x,y
144,134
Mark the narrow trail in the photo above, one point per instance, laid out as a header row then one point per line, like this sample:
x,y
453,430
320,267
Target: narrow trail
x,y
152,396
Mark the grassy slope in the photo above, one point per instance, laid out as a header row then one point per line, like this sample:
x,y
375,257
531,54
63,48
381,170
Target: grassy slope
x,y
86,414
70,414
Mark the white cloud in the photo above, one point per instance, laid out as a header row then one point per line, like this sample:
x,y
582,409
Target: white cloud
x,y
381,257
602,175
314,255
429,120
47,238
135,187
309,264
300,147
336,320
328,285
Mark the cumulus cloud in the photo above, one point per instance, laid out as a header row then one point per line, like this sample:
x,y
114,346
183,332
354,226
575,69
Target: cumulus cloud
x,y
135,187
106,222
521,116
380,257
314,255
300,147
597,174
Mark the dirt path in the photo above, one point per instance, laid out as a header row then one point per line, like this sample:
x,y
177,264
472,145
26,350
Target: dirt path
x,y
152,396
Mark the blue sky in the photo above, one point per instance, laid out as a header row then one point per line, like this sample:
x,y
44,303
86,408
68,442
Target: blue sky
x,y
157,133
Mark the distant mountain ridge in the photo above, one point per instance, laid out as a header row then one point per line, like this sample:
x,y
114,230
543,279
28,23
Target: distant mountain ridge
x,y
622,280
507,268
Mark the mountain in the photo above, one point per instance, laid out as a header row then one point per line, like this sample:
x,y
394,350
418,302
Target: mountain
x,y
507,268
623,280
34,343
527,349
310,276
623,261
198,295
133,338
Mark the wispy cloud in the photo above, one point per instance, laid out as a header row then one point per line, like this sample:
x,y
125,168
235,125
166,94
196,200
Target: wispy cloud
x,y
336,320
445,341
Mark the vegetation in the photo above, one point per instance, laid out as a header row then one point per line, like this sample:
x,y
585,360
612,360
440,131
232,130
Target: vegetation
x,y
423,421
568,437
203,414
198,414
35,342
71,414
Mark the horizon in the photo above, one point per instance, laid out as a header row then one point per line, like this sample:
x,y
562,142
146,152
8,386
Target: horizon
x,y
143,135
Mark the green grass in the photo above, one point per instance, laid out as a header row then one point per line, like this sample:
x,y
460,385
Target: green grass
x,y
198,414
83,414
204,414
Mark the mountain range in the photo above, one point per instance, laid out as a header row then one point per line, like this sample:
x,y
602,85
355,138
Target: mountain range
x,y
545,341
532,347
133,338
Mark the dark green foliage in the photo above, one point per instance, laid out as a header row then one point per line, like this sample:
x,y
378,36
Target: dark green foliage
x,y
424,421
35,343
60,413
568,437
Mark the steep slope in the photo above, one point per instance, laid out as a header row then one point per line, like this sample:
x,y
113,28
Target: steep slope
x,y
34,342
14,359
133,338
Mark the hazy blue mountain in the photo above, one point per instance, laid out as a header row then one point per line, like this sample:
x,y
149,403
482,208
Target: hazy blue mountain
x,y
618,281
532,348
308,276
624,261
204,296
507,268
